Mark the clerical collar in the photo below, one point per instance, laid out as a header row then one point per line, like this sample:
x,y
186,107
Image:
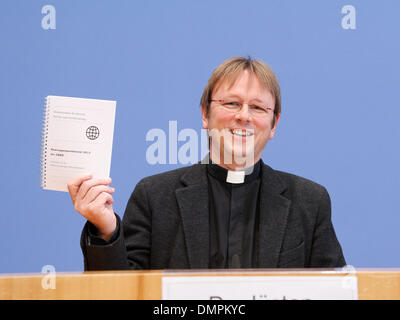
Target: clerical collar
x,y
234,177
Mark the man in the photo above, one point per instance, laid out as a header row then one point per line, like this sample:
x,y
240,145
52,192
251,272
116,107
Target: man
x,y
232,212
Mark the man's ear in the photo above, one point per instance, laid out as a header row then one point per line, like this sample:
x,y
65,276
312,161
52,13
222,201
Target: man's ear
x,y
275,122
204,117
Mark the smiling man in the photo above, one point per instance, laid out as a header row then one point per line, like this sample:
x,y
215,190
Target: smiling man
x,y
231,210
241,105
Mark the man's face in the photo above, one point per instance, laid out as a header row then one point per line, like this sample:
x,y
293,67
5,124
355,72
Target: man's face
x,y
243,132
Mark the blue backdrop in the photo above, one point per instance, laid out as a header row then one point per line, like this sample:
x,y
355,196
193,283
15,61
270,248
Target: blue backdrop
x,y
340,109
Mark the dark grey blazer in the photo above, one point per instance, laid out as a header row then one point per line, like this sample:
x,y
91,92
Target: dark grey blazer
x,y
166,225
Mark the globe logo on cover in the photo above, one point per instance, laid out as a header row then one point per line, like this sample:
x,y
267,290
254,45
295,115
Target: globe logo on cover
x,y
92,132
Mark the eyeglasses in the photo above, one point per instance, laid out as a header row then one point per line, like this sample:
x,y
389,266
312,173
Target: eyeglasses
x,y
256,109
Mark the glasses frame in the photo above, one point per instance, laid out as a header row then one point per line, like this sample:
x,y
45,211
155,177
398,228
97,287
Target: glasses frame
x,y
223,102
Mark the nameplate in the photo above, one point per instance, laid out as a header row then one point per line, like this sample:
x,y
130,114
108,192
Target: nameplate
x,y
260,288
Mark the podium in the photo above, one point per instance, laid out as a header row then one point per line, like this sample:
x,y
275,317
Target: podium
x,y
377,284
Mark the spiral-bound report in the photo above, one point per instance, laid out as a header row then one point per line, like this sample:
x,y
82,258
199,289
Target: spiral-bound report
x,y
77,139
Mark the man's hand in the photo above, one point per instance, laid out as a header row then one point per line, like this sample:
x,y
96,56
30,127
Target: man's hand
x,y
92,198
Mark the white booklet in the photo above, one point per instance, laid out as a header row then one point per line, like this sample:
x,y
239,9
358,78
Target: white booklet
x,y
77,139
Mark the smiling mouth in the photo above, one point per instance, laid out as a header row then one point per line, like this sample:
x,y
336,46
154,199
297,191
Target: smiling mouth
x,y
242,133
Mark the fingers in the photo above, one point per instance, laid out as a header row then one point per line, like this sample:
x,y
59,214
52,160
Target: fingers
x,y
93,192
88,184
103,215
92,198
96,210
74,185
105,197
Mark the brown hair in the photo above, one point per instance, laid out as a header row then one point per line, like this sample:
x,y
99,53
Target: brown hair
x,y
230,69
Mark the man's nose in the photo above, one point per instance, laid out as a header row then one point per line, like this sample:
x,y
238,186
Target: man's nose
x,y
244,113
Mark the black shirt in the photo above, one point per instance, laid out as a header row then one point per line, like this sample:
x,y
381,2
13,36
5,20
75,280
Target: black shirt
x,y
233,218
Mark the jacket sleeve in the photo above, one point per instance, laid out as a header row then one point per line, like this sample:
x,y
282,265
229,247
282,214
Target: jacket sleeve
x,y
326,251
99,254
129,247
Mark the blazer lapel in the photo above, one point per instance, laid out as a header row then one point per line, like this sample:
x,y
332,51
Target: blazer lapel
x,y
274,211
193,204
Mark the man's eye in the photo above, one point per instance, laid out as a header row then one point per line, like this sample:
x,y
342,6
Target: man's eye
x,y
232,103
258,108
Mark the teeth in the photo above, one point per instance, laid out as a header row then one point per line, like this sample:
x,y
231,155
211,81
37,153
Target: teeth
x,y
241,132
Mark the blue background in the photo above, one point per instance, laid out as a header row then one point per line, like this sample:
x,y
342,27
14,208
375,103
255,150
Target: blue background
x,y
340,109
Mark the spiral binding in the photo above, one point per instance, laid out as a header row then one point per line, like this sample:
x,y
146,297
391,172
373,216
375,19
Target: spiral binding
x,y
43,154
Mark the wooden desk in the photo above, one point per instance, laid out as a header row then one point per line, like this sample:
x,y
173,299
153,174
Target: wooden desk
x,y
134,285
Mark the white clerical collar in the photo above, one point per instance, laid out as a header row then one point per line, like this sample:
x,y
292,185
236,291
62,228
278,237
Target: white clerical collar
x,y
235,176
243,175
